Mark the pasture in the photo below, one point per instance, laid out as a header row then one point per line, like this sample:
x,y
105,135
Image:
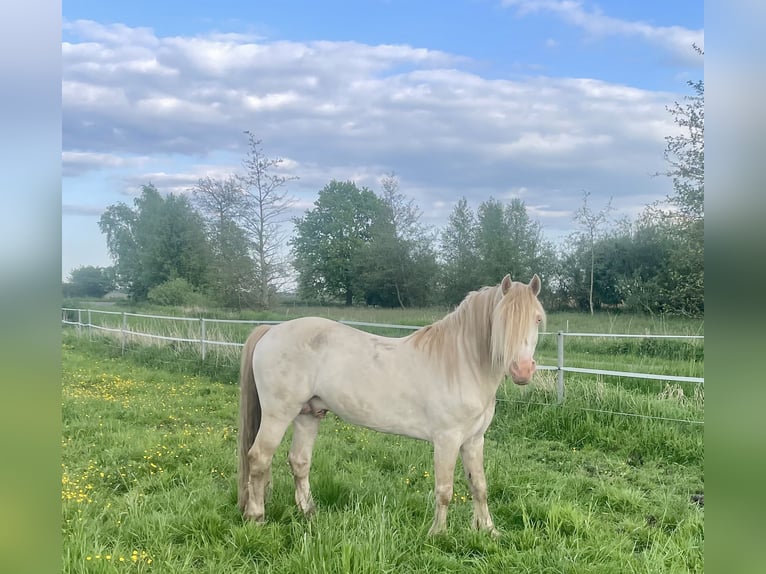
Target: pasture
x,y
149,473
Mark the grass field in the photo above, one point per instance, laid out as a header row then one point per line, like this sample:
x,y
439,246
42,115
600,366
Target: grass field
x,y
149,470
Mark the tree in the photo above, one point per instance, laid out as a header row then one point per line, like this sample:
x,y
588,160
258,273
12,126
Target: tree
x,y
329,241
232,273
493,242
509,241
399,261
459,254
532,252
685,152
266,202
684,284
591,224
640,254
89,281
159,239
118,223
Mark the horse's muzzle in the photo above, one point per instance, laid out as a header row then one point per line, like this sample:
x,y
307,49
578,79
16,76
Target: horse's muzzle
x,y
522,371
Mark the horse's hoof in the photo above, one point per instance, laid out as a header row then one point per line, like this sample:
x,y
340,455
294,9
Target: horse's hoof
x,y
258,519
310,511
491,530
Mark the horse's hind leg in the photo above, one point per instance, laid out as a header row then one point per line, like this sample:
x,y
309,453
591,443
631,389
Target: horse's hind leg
x,y
305,429
270,434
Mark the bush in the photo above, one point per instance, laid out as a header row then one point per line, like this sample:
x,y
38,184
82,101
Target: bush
x,y
178,292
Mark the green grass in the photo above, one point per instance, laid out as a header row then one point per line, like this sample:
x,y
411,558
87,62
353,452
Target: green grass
x,y
149,471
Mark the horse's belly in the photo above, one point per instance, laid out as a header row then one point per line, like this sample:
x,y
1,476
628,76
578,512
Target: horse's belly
x,y
386,415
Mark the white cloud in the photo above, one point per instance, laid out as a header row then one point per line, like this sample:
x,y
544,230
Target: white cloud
x,y
346,110
75,163
677,40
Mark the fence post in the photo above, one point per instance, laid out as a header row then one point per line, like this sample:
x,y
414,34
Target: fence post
x,y
123,330
90,327
202,337
560,365
79,322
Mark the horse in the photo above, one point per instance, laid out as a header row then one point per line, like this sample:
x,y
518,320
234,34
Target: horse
x,y
437,384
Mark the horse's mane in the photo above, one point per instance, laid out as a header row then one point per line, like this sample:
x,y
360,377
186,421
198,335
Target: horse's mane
x,y
511,322
470,323
490,333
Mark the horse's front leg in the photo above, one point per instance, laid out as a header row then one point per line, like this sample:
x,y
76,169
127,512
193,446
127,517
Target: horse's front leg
x,y
445,456
472,453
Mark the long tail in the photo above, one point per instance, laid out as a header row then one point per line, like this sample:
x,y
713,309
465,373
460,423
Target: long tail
x,y
249,411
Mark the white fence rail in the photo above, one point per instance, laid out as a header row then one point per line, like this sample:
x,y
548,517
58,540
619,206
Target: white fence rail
x,y
76,318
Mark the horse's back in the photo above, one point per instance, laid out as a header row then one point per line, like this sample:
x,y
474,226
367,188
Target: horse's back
x,y
307,334
325,348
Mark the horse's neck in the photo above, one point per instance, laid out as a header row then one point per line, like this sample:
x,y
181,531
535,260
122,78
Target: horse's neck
x,y
460,342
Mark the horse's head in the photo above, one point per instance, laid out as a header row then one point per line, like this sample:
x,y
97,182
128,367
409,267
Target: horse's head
x,y
516,320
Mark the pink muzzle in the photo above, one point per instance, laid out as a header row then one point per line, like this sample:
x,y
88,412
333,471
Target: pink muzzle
x,y
522,371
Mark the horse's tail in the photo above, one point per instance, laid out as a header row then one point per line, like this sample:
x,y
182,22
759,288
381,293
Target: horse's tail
x,y
249,411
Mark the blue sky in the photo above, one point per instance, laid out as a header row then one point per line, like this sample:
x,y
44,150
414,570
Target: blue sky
x,y
538,99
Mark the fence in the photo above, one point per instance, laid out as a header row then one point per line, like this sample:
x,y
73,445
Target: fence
x,y
202,330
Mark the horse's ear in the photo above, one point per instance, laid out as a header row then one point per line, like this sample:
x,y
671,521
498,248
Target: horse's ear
x,y
505,284
535,285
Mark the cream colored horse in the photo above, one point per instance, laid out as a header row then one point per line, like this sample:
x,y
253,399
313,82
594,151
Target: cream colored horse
x,y
437,384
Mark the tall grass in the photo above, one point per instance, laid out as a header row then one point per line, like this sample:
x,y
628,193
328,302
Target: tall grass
x,y
149,464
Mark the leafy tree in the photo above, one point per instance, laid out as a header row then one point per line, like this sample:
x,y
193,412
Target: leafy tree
x,y
493,241
159,239
232,276
532,252
330,240
399,262
89,281
459,253
685,152
118,223
509,241
640,255
684,284
266,203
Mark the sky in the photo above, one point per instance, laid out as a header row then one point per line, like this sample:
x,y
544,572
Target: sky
x,y
537,99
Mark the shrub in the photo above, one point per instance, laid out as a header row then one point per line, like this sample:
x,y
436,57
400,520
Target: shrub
x,y
178,292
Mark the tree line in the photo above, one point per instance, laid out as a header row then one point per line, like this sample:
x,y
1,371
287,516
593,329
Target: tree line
x,y
224,243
